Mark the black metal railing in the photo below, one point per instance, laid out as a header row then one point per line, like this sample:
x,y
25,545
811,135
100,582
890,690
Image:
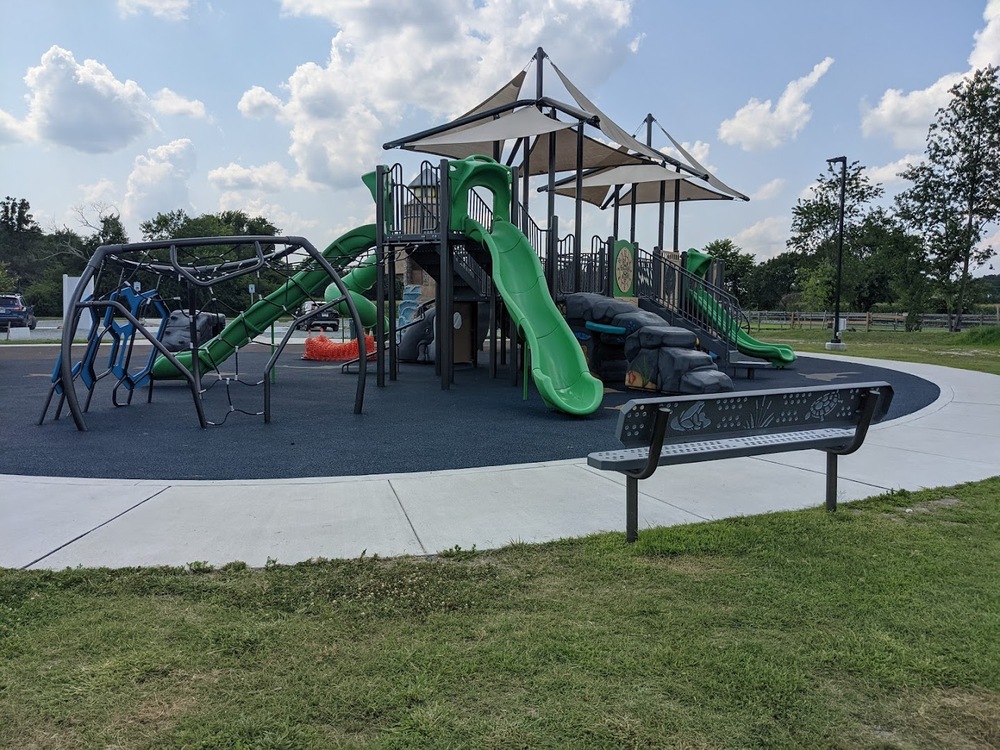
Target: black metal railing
x,y
413,210
689,298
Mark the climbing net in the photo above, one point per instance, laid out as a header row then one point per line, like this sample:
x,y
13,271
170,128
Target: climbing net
x,y
212,297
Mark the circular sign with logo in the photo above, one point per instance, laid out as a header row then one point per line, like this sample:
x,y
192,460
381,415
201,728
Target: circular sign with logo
x,y
624,270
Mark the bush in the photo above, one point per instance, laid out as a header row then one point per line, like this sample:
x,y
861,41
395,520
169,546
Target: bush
x,y
980,336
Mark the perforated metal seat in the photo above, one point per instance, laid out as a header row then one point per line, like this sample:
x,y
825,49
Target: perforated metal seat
x,y
691,429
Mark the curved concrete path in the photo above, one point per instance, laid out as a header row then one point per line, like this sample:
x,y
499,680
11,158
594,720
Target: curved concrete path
x,y
56,522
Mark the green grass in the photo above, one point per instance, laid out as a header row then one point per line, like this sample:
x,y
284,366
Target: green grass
x,y
972,349
875,627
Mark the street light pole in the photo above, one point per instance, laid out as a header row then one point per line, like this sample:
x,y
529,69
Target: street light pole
x,y
835,342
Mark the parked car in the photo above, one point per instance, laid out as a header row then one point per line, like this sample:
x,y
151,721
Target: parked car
x,y
327,319
14,311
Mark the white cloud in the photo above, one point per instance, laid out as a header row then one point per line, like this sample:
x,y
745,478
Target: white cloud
x,y
986,50
167,102
270,177
699,150
768,190
766,238
11,129
159,181
905,117
759,126
83,106
990,266
441,58
807,193
102,192
634,45
258,102
168,10
288,222
888,174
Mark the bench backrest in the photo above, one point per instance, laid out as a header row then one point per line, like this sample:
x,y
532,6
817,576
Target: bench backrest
x,y
748,413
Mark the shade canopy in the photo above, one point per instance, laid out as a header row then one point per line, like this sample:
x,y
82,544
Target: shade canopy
x,y
649,192
640,183
487,127
480,138
610,128
596,154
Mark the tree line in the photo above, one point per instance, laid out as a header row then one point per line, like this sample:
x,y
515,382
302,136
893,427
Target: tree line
x,y
916,256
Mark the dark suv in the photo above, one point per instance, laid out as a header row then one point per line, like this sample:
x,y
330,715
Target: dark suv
x,y
14,311
328,318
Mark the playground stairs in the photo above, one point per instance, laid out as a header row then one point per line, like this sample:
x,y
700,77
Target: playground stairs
x,y
722,349
470,275
666,289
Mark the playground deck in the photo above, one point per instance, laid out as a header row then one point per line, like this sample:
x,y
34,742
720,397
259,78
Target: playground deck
x,y
408,426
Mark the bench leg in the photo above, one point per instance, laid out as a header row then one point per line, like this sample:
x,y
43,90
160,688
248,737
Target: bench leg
x,y
631,509
831,482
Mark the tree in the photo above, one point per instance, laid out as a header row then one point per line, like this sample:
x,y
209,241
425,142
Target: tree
x,y
177,224
771,284
226,297
8,281
738,266
163,226
20,237
865,277
955,193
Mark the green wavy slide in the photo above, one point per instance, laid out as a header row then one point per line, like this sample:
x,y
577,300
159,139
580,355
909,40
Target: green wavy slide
x,y
306,284
558,365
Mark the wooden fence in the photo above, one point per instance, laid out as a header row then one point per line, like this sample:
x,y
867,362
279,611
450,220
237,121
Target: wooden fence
x,y
860,321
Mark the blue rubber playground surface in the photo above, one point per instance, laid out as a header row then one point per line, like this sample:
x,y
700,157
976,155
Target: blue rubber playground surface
x,y
410,425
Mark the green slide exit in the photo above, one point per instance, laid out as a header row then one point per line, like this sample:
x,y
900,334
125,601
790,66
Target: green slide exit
x,y
307,283
777,354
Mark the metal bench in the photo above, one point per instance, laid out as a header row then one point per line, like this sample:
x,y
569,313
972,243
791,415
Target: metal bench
x,y
690,429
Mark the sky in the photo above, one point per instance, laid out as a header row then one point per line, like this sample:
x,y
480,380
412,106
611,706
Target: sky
x,y
277,107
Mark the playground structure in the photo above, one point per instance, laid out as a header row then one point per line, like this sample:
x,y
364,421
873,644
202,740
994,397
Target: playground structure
x,y
497,275
136,280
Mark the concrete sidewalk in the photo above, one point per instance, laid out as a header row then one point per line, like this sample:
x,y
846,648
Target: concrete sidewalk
x,y
55,523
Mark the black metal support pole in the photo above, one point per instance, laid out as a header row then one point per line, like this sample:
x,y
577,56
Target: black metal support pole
x,y
663,211
552,223
578,231
631,231
513,360
551,258
493,330
663,185
379,280
610,253
539,56
677,215
831,482
842,160
631,509
618,203
446,310
525,188
393,314
70,323
515,218
196,360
